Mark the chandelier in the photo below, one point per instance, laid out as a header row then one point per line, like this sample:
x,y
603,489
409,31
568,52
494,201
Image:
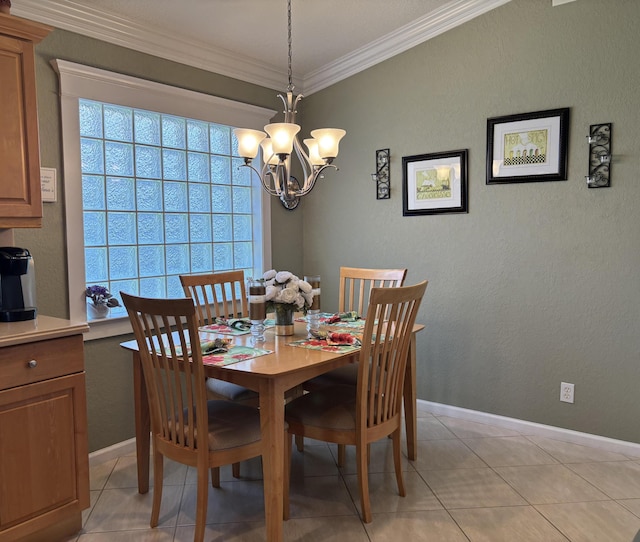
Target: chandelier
x,y
282,141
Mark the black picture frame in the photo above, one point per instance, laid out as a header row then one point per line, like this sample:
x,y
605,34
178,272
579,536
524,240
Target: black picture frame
x,y
435,183
528,147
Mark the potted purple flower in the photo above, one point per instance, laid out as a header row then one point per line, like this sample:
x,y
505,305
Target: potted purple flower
x,y
101,301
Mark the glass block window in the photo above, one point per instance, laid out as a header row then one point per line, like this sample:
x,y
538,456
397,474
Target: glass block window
x,y
152,188
162,196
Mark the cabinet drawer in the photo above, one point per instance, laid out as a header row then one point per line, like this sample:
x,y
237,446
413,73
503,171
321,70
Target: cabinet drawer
x,y
41,360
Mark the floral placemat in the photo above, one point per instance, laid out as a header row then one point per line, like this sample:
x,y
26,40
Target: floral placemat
x,y
321,344
222,351
234,326
338,318
346,324
323,317
234,355
215,346
345,320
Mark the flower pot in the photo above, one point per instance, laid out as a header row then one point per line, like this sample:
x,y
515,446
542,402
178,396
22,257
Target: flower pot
x,y
284,319
96,312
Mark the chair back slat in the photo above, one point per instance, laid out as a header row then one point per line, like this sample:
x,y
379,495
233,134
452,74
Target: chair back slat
x,y
176,390
356,285
383,357
217,295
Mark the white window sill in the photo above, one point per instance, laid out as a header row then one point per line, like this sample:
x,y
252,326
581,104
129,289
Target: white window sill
x,y
109,327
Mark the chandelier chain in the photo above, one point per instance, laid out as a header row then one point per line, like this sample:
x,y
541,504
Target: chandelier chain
x,y
290,87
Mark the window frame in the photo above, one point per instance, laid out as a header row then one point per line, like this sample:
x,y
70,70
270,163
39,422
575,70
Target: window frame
x,y
78,81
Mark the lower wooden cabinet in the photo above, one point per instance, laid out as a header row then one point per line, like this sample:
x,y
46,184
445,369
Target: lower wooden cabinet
x,y
44,467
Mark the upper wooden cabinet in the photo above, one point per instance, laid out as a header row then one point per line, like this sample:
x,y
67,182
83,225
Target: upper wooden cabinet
x,y
20,197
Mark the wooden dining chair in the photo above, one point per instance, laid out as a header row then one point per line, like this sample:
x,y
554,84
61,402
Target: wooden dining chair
x,y
361,414
223,295
185,426
354,290
217,295
220,295
356,284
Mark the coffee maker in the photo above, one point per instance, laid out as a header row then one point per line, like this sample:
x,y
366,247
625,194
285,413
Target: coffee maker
x,y
17,285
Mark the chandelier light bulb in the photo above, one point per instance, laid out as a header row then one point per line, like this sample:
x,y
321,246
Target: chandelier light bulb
x,y
248,142
328,141
314,155
267,152
282,135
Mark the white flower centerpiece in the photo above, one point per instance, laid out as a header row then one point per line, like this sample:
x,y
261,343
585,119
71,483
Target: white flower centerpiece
x,y
286,294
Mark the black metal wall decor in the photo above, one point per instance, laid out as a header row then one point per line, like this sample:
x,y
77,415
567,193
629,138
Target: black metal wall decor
x,y
381,176
599,139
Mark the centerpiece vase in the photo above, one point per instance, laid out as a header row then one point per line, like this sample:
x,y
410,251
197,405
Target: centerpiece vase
x,y
284,318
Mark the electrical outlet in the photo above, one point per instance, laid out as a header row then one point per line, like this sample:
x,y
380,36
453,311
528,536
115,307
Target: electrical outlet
x,y
566,392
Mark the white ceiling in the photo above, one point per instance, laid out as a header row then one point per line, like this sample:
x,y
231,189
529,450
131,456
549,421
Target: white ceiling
x,y
247,39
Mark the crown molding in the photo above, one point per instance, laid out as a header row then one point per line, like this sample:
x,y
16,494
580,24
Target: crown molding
x,y
431,25
87,21
101,25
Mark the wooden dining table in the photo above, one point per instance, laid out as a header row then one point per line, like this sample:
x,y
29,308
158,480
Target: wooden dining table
x,y
271,376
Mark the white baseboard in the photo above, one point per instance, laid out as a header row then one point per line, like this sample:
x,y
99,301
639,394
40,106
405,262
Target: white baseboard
x,y
128,447
531,428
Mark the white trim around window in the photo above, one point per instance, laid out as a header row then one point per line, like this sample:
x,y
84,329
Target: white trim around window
x,y
78,81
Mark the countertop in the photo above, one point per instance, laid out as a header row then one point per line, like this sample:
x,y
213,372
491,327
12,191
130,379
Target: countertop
x,y
39,329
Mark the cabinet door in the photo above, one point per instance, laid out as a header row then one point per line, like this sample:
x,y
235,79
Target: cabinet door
x,y
43,454
20,198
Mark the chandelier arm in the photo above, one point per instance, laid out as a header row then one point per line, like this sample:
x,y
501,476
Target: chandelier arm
x,y
262,175
287,107
294,106
251,168
290,103
310,181
268,188
282,172
274,172
305,161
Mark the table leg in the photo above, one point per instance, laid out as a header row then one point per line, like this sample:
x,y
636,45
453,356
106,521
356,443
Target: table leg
x,y
410,405
143,424
272,429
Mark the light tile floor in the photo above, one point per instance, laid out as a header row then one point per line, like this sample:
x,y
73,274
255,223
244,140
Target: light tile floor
x,y
471,482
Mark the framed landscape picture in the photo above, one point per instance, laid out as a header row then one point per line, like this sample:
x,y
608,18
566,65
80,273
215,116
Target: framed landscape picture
x,y
528,147
434,183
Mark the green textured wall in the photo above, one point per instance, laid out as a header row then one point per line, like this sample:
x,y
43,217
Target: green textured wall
x,y
538,284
